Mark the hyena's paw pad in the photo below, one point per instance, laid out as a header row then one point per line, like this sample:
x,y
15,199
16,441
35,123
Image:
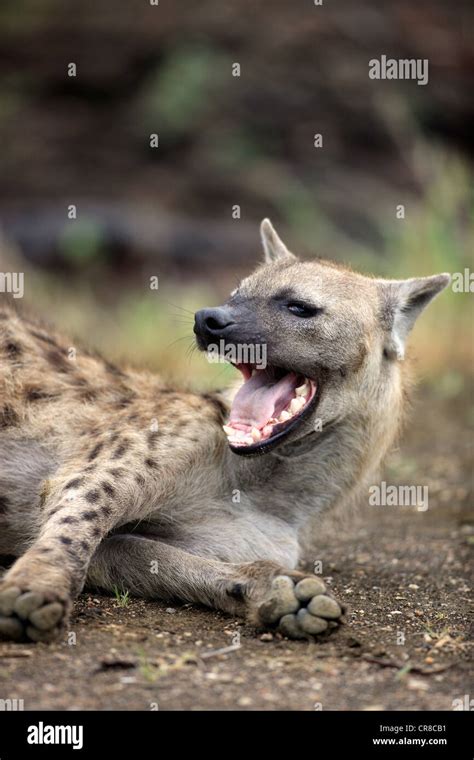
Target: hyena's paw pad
x,y
299,610
29,615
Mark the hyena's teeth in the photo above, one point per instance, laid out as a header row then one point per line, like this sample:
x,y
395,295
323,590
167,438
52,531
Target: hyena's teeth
x,y
297,404
240,437
302,389
294,406
238,433
235,439
256,434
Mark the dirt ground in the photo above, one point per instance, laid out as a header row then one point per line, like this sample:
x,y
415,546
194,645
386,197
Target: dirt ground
x,y
403,573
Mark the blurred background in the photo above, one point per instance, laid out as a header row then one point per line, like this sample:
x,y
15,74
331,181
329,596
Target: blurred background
x,y
227,141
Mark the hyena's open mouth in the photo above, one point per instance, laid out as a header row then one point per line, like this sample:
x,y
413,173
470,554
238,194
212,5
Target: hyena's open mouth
x,y
271,403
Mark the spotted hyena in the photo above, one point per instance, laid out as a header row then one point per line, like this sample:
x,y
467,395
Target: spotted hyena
x,y
110,477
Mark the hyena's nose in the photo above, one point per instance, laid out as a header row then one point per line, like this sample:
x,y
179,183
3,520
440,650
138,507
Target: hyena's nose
x,y
212,323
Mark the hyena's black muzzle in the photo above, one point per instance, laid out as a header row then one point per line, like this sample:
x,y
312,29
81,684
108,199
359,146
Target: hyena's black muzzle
x,y
211,325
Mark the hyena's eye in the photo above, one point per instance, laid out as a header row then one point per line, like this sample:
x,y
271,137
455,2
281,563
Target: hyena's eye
x,y
303,310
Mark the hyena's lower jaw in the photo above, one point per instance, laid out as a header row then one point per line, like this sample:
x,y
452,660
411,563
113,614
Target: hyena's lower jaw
x,y
271,404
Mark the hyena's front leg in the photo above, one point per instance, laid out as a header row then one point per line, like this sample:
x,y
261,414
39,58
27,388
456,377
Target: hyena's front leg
x,y
263,592
36,593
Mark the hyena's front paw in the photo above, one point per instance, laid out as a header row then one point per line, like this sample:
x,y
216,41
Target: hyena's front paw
x,y
299,608
26,614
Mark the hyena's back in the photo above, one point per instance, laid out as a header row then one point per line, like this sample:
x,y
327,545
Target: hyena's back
x,y
63,409
40,372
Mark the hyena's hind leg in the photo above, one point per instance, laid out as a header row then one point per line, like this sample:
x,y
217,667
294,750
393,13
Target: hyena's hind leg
x,y
37,592
266,594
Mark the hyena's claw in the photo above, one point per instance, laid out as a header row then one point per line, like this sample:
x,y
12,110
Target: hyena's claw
x,y
30,615
299,610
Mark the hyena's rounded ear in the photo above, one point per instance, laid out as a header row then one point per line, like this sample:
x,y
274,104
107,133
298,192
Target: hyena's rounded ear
x,y
402,301
273,247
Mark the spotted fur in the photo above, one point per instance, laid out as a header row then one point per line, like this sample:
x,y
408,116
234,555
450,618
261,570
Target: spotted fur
x,y
91,491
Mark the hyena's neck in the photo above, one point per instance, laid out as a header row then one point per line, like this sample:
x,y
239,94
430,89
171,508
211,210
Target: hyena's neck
x,y
303,481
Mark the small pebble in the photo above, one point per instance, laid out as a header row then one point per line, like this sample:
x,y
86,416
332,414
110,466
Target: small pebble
x,y
415,684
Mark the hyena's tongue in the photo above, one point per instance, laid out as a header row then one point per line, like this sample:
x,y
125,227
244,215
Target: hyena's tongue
x,y
261,398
